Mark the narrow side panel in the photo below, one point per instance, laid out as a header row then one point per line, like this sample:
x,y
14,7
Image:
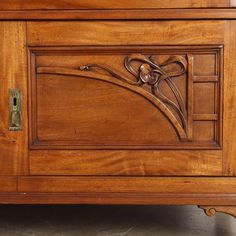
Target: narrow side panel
x,y
13,144
229,154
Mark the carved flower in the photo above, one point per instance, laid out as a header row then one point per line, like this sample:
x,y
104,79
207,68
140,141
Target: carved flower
x,y
146,74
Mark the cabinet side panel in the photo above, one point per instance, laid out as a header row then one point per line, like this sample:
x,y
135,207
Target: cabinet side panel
x,y
135,185
230,101
13,144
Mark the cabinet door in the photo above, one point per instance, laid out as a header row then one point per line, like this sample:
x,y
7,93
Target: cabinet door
x,y
126,98
13,143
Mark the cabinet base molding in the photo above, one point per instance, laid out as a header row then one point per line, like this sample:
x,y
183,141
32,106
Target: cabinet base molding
x,y
212,210
124,199
121,190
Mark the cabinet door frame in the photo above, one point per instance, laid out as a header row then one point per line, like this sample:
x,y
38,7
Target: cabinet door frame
x,y
154,162
13,66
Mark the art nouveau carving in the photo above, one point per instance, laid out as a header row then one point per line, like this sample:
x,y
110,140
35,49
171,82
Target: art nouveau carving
x,y
175,83
148,73
151,73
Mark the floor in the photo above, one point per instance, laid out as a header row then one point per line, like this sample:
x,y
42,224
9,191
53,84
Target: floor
x,y
112,221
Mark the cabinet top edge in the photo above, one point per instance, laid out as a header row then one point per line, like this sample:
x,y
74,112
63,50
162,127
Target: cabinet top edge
x,y
112,4
119,14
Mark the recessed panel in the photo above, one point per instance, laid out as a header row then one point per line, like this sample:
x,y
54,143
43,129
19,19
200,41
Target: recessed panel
x,y
78,110
129,98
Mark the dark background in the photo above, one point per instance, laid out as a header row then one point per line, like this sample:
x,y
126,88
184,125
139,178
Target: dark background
x,y
21,220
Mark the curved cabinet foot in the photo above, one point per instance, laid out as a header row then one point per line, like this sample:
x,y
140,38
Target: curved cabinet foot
x,y
212,210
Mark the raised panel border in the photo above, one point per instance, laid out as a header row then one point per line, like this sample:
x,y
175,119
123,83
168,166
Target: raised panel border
x,y
34,143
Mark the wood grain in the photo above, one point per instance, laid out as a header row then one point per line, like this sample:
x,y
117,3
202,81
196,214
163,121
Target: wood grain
x,y
103,4
118,33
13,145
91,97
8,184
119,176
117,162
165,185
229,156
144,163
118,198
115,14
125,114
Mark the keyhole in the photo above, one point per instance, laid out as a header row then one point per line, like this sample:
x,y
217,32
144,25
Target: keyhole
x,y
15,102
15,119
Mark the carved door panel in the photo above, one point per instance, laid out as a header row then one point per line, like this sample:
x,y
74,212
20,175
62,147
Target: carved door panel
x,y
124,109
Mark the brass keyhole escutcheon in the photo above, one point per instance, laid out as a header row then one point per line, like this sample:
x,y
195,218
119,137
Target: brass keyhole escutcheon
x,y
15,110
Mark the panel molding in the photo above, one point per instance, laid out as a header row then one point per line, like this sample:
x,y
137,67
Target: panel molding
x,y
117,198
115,14
149,73
133,185
218,191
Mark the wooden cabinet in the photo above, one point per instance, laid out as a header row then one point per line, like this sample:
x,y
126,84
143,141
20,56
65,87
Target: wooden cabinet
x,y
127,101
112,104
